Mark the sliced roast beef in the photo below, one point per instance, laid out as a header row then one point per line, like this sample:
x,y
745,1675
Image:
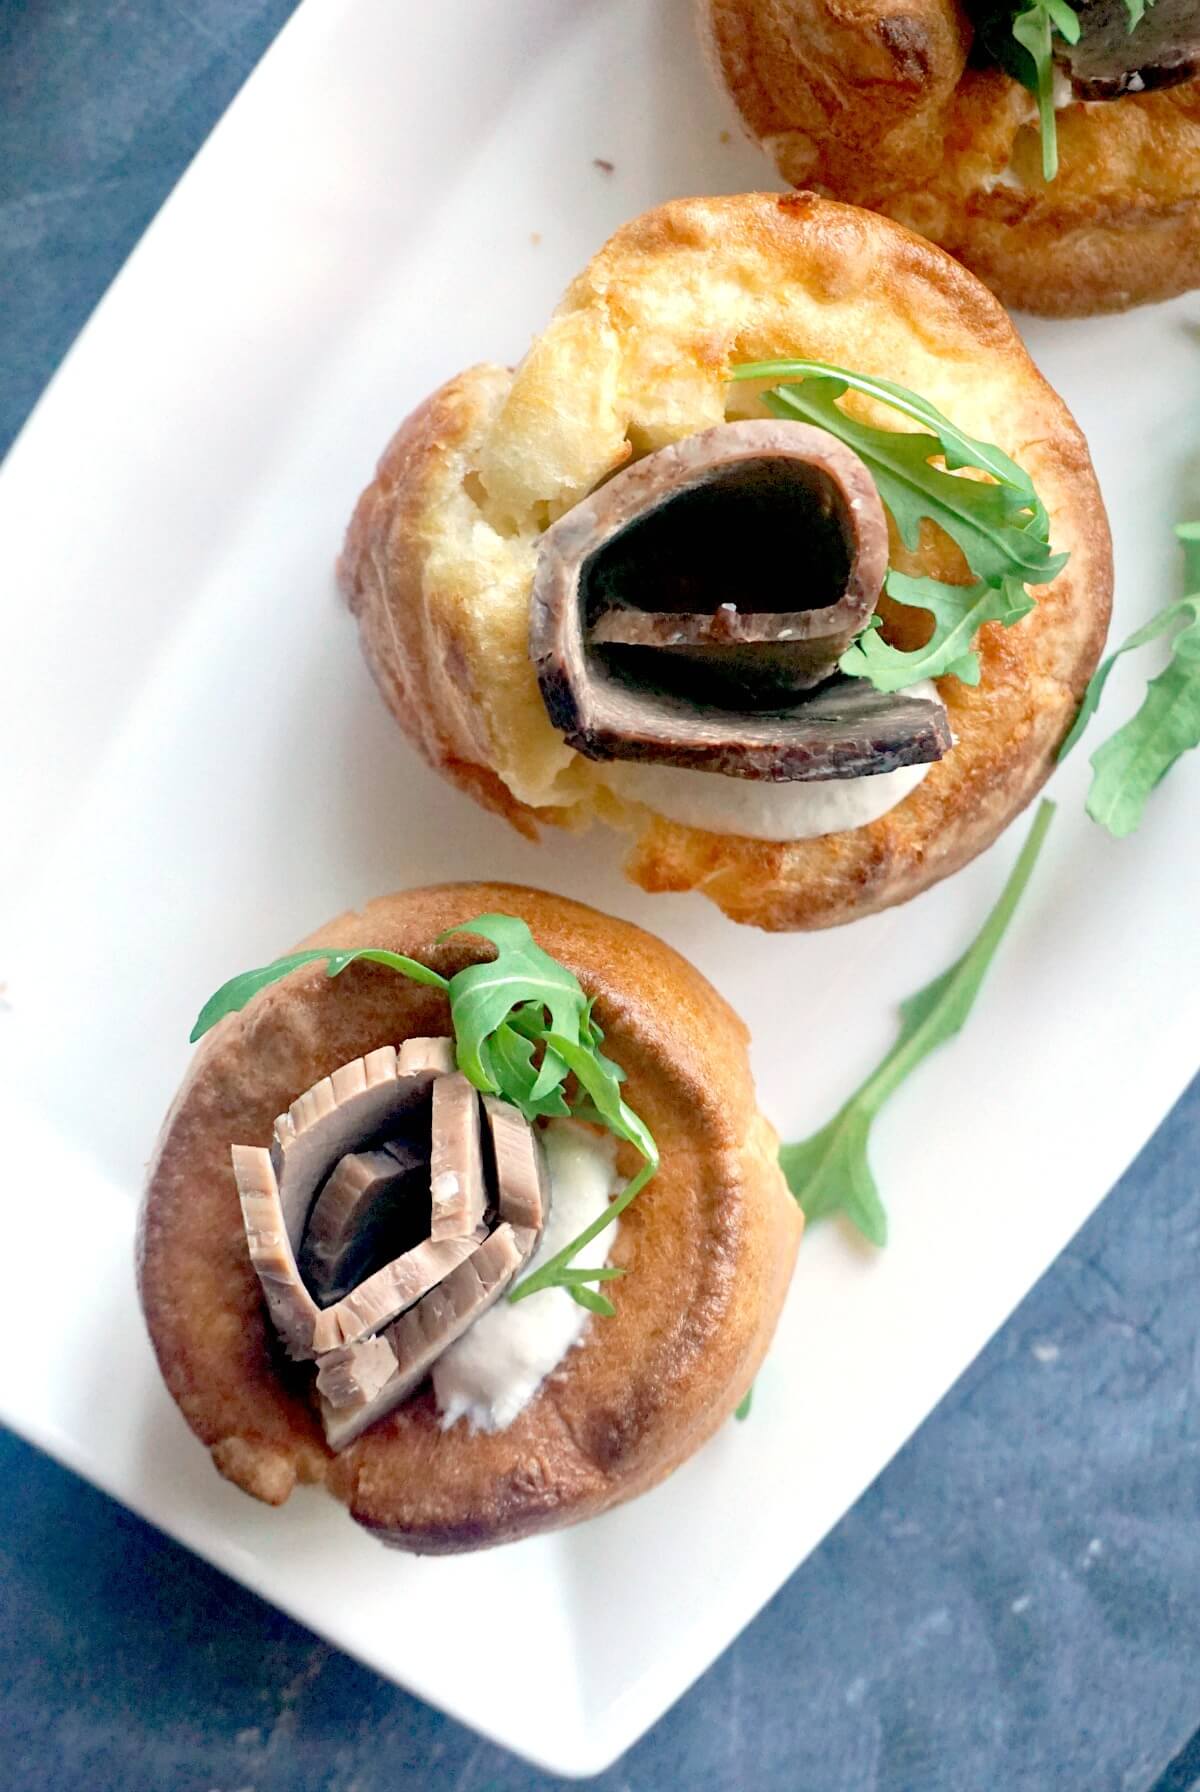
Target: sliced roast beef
x,y
420,1335
846,730
399,1233
456,1159
391,1289
687,611
762,531
294,1313
522,1180
1110,59
353,1374
416,1340
436,1055
373,1206
356,1105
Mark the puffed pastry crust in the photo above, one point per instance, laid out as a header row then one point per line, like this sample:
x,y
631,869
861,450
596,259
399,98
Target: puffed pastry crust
x,y
874,101
708,1246
439,558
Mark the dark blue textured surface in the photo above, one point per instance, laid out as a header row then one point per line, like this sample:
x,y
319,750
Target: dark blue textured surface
x,y
1013,1606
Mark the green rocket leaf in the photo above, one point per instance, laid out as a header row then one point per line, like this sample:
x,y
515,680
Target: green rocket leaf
x,y
830,1172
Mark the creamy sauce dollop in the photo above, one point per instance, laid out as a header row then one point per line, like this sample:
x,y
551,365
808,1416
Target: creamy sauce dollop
x,y
761,811
496,1367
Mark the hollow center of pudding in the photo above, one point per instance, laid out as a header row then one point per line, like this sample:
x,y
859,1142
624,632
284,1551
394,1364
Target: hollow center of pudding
x,y
765,536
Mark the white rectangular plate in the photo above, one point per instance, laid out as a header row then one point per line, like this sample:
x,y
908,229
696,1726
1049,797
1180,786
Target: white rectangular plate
x,y
197,771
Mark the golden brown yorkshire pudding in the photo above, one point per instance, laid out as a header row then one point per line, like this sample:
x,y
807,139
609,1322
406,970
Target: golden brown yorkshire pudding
x,y
708,1247
891,104
445,563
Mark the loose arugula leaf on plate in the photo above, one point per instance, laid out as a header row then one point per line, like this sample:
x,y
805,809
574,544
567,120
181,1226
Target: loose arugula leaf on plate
x,y
1134,760
999,524
1141,637
830,1172
1138,756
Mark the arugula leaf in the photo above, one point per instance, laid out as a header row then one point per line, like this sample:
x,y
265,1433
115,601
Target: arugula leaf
x,y
575,1281
522,976
959,611
394,961
1034,29
595,1076
508,1058
742,1411
1141,637
1001,526
957,447
989,522
830,1172
1021,38
504,1011
558,1272
499,1010
591,1298
233,996
1135,760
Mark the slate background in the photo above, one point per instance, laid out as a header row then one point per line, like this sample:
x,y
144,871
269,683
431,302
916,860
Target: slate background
x,y
1012,1606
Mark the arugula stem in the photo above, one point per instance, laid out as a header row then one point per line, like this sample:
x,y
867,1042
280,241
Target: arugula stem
x,y
549,1274
829,1171
393,961
1034,31
969,970
1134,760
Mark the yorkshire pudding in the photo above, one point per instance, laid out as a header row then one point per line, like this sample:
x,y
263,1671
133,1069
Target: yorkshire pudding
x,y
707,1247
441,562
891,104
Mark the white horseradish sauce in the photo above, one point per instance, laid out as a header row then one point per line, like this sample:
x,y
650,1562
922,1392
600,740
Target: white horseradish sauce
x,y
494,1370
758,810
